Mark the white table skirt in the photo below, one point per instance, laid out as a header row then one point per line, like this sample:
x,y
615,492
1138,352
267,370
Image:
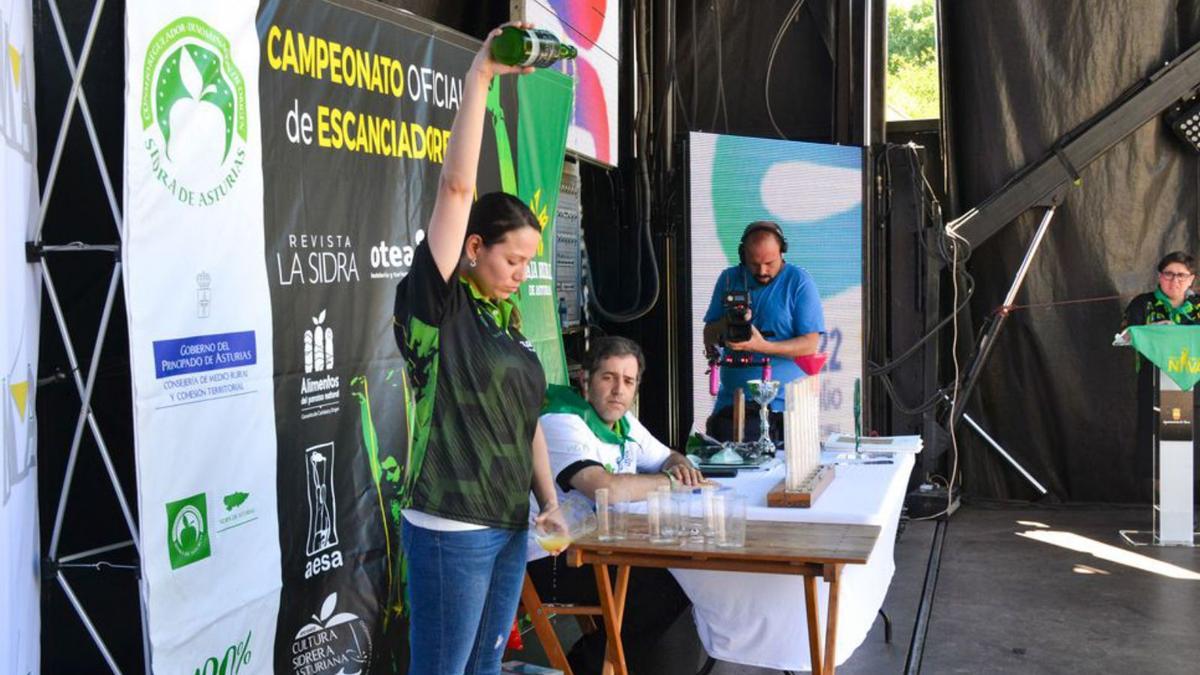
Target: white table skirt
x,y
759,619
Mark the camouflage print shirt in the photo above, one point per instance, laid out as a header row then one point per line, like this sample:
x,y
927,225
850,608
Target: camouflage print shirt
x,y
477,387
1155,307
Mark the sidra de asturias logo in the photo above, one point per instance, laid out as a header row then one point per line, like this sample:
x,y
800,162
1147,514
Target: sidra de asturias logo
x,y
193,113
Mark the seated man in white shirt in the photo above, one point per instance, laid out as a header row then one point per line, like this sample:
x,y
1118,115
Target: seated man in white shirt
x,y
595,442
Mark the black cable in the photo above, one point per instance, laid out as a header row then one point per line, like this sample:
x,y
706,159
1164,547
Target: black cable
x,y
695,67
895,363
923,196
787,18
643,201
720,100
932,402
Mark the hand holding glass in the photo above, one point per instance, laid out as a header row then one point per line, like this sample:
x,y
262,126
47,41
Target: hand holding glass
x,y
577,520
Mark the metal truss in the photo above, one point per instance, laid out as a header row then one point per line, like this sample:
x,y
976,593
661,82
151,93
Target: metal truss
x,y
57,565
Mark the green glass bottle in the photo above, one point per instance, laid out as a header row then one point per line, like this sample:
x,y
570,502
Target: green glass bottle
x,y
529,47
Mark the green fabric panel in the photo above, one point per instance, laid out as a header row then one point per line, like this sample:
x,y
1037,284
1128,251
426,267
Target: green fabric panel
x,y
1174,349
544,100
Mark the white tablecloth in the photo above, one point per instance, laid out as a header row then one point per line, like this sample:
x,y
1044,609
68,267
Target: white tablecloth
x,y
759,619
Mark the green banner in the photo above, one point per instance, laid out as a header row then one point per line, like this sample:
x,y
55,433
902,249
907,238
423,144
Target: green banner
x,y
1174,349
544,101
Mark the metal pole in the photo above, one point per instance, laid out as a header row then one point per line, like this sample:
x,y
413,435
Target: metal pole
x,y
1029,255
996,446
80,247
85,110
867,51
87,623
85,395
95,551
76,86
988,340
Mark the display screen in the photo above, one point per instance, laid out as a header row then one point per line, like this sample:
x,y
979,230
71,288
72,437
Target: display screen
x,y
815,193
593,27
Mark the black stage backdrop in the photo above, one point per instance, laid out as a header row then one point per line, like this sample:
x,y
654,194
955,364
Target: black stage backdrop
x,y
1020,74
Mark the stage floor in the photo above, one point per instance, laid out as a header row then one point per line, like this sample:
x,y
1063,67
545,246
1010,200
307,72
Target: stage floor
x,y
1020,589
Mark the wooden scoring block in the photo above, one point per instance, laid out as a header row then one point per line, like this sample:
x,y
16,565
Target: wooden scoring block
x,y
780,497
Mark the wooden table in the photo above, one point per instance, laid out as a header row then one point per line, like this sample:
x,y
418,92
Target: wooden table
x,y
809,549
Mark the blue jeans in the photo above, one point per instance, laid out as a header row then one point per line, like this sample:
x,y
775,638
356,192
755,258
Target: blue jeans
x,y
463,589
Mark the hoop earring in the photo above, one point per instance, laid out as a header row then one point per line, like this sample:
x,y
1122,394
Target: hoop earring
x,y
472,262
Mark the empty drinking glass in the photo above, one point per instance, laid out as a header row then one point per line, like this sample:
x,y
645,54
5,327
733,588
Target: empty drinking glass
x,y
658,513
610,517
730,513
669,511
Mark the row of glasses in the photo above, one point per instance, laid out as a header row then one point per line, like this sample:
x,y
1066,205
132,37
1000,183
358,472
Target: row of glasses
x,y
696,515
688,514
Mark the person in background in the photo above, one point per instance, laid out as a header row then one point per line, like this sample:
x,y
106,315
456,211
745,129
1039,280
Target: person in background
x,y
786,322
477,388
596,442
1171,302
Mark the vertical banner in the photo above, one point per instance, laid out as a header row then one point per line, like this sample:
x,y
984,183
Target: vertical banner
x,y
20,299
544,102
281,166
356,113
200,336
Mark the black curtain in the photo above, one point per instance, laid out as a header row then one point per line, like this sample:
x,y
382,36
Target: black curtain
x,y
723,56
1020,74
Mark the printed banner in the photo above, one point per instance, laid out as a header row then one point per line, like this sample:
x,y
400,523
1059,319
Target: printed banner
x,y
200,336
270,395
20,300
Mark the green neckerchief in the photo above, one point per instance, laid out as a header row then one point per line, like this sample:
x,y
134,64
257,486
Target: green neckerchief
x,y
1173,313
563,399
1174,349
503,312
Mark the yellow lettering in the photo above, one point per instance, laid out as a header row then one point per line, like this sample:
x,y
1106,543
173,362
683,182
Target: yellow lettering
x,y
402,145
434,137
336,121
289,53
360,136
308,55
362,68
418,133
375,130
322,59
335,63
323,126
272,45
396,75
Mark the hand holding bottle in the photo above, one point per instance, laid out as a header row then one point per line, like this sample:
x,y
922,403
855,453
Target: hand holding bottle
x,y
487,66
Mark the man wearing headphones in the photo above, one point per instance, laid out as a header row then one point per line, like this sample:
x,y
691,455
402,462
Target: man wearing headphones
x,y
786,321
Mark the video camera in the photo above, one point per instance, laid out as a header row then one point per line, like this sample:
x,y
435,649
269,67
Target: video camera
x,y
737,305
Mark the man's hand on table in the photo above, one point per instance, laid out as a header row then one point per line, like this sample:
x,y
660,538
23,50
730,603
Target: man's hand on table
x,y
681,469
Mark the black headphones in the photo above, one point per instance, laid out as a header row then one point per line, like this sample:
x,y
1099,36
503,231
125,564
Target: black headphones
x,y
762,226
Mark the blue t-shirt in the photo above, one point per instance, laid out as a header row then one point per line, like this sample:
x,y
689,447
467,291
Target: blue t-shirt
x,y
788,307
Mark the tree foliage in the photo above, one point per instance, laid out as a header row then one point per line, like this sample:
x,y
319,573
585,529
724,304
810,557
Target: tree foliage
x,y
912,88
